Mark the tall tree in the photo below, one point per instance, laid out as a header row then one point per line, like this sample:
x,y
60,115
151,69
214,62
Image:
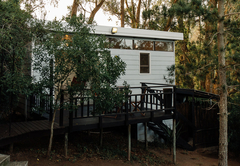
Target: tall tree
x,y
79,4
17,28
223,112
122,13
81,54
132,11
197,64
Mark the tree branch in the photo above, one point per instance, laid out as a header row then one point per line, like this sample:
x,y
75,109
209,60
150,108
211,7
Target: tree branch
x,y
233,86
83,8
234,103
231,14
95,10
199,69
212,38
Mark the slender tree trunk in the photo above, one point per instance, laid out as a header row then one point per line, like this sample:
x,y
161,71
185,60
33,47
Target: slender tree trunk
x,y
74,8
133,15
122,13
51,136
223,115
168,25
138,14
95,10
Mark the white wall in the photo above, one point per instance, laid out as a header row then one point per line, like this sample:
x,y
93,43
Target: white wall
x,y
159,61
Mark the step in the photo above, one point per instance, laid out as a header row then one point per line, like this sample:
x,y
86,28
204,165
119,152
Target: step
x,y
18,163
4,159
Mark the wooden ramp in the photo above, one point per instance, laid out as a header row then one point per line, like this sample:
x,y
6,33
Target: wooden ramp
x,y
23,130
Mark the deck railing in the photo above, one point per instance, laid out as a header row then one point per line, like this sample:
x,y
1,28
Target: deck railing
x,y
148,98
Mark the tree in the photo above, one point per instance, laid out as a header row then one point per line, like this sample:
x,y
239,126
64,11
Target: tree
x,y
131,12
16,31
223,112
78,3
76,51
209,63
122,13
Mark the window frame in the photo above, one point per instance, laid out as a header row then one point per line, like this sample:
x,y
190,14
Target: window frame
x,y
144,39
149,62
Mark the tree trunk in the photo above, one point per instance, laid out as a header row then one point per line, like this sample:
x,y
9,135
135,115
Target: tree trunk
x,y
223,114
133,15
122,13
138,14
95,10
74,8
51,136
168,25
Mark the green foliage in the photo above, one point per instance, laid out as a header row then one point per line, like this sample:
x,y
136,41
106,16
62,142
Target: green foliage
x,y
76,51
197,55
15,35
234,123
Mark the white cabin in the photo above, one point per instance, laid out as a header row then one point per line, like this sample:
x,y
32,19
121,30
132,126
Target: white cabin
x,y
147,53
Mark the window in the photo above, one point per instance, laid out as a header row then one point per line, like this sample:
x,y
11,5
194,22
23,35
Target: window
x,y
163,46
144,63
143,45
139,44
120,43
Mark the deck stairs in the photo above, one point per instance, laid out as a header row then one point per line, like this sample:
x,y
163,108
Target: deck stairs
x,y
5,161
164,132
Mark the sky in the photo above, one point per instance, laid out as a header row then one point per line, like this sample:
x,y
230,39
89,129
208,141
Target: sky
x,y
61,10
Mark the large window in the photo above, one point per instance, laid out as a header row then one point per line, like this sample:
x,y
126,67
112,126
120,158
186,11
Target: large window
x,y
143,45
139,44
164,46
120,43
144,63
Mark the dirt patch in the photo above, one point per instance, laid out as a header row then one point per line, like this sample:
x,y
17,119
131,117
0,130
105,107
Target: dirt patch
x,y
84,150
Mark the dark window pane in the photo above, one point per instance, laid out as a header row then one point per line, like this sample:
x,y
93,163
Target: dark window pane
x,y
144,63
120,43
144,59
143,45
163,46
144,70
106,44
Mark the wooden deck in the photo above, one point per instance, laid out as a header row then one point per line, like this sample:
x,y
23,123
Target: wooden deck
x,y
22,130
138,108
30,129
83,121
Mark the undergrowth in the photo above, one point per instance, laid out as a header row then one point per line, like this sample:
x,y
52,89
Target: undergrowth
x,y
82,146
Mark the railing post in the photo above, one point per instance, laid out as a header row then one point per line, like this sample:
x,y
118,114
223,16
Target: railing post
x,y
82,106
142,97
129,142
42,102
145,134
193,121
167,99
174,126
76,109
101,130
126,108
61,108
88,110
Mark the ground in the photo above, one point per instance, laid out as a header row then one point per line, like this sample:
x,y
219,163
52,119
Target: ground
x,y
84,150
